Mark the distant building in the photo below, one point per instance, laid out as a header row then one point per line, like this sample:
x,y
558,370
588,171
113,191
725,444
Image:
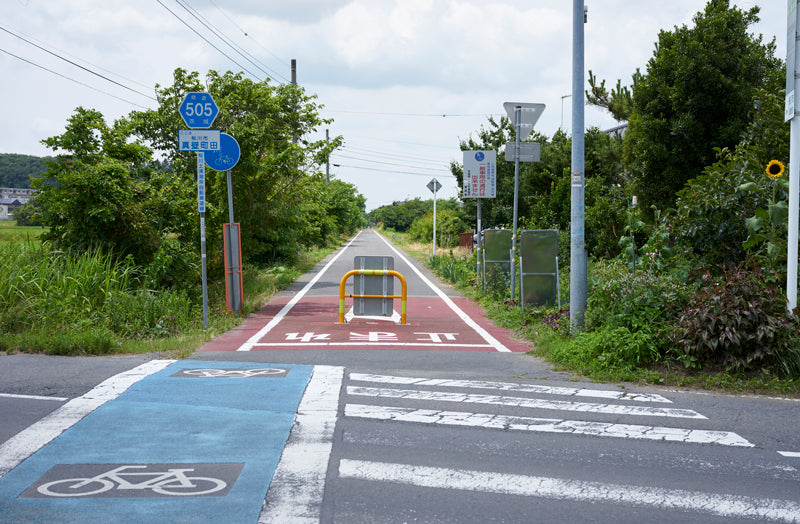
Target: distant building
x,y
21,194
11,198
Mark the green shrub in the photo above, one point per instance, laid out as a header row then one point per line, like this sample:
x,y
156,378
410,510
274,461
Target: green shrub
x,y
147,314
738,321
644,300
453,269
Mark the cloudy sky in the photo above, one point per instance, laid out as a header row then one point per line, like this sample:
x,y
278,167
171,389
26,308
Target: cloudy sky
x,y
404,80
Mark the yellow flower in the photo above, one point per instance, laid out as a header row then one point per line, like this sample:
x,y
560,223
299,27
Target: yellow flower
x,y
774,168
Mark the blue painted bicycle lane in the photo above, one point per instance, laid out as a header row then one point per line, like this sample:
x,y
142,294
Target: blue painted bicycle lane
x,y
197,441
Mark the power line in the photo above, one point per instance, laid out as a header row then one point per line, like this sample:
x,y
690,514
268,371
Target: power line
x,y
389,171
205,39
437,115
71,79
208,25
281,60
440,169
391,156
76,64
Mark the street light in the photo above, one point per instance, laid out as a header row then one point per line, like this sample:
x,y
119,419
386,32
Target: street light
x,y
562,109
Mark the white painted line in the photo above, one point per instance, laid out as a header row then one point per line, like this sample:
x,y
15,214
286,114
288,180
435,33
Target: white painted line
x,y
410,344
561,405
510,386
30,440
252,341
496,344
791,454
295,494
731,506
545,425
394,318
33,397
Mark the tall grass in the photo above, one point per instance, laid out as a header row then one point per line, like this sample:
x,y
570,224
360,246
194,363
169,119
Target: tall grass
x,y
67,303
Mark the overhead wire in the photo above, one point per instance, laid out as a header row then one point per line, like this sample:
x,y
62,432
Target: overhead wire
x,y
441,169
391,156
76,64
245,33
71,79
223,53
219,34
390,170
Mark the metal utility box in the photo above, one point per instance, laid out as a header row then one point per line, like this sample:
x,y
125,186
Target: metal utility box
x,y
373,285
538,272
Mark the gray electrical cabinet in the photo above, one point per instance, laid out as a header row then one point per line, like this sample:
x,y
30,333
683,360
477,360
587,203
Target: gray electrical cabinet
x,y
538,261
373,285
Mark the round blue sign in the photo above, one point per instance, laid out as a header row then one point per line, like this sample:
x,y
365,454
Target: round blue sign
x,y
226,157
479,156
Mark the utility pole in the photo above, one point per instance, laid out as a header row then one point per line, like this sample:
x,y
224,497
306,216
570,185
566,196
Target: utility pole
x,y
792,94
294,71
328,162
578,280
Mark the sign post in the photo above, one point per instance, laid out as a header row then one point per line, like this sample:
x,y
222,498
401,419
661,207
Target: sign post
x,y
792,90
434,186
199,110
223,159
480,181
524,116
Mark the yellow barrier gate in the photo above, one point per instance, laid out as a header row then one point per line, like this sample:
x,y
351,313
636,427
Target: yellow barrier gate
x,y
380,272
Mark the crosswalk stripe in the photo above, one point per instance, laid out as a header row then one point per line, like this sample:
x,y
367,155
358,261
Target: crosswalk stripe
x,y
586,407
509,386
544,425
724,505
297,488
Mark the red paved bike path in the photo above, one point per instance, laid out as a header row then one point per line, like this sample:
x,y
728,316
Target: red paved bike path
x,y
312,323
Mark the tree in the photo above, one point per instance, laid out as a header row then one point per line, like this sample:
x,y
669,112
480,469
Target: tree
x,y
90,196
275,183
695,96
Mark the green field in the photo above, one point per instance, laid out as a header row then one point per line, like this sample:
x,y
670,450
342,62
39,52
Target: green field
x,y
11,232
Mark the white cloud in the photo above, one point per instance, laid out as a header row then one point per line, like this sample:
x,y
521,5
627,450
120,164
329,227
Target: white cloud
x,y
457,57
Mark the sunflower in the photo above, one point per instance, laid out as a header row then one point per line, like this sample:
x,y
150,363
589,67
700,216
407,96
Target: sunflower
x,y
774,168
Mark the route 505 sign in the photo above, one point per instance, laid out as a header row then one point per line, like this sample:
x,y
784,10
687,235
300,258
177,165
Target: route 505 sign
x,y
198,110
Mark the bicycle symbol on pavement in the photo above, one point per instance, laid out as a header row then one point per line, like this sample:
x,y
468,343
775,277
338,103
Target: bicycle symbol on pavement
x,y
142,480
232,373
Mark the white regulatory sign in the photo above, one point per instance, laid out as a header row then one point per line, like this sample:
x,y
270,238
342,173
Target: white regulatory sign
x,y
480,174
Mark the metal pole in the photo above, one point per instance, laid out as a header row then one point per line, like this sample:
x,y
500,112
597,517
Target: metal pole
x,y
434,217
328,162
578,269
794,173
201,207
517,116
230,197
479,244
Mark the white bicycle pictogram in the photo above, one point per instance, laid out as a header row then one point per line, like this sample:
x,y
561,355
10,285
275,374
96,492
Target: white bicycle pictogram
x,y
174,481
234,373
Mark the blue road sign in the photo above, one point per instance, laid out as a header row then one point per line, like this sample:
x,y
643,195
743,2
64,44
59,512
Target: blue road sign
x,y
198,110
226,156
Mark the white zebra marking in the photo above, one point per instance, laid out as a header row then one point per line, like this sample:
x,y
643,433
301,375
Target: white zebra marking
x,y
545,425
510,386
561,405
731,506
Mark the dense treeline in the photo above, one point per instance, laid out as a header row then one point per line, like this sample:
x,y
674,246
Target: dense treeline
x,y
107,187
695,273
18,170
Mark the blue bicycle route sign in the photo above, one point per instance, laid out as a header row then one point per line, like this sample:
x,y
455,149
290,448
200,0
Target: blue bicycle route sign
x,y
198,110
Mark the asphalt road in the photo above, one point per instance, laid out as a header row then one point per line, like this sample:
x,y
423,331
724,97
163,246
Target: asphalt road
x,y
441,420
